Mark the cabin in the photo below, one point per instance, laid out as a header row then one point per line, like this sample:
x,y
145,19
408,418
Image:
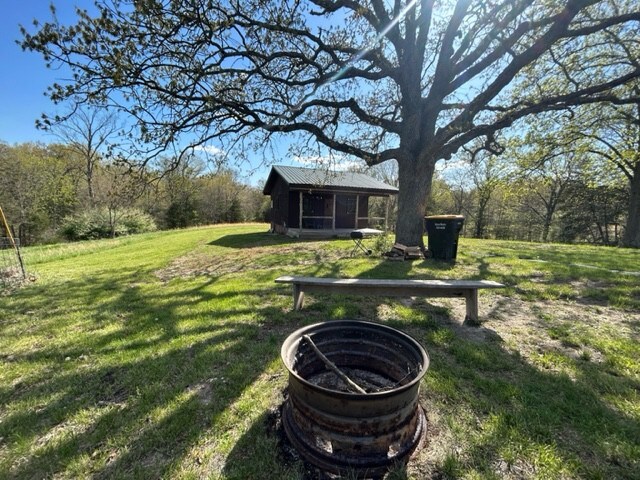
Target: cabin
x,y
316,202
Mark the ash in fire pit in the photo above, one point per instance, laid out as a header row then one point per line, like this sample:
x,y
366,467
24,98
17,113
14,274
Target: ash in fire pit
x,y
369,381
353,395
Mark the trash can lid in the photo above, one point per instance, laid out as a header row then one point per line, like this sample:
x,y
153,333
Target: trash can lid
x,y
445,217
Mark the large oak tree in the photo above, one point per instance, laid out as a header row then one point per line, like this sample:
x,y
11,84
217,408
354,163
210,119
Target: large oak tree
x,y
377,80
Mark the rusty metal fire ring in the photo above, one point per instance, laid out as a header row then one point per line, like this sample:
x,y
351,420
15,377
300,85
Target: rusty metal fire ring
x,y
338,430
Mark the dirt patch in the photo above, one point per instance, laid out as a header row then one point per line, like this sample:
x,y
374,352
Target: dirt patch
x,y
12,279
112,391
534,328
256,258
203,391
528,328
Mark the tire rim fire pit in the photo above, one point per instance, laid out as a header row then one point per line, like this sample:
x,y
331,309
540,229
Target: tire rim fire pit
x,y
363,428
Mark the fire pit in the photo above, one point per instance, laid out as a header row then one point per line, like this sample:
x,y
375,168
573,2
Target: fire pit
x,y
353,396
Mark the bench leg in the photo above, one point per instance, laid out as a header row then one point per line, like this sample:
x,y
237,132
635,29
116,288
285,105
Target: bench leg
x,y
471,296
298,297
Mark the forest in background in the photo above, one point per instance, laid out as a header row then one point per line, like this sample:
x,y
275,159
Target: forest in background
x,y
543,187
48,195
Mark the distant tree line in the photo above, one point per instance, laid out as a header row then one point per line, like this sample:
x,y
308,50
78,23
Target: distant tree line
x,y
542,188
564,178
57,191
534,208
557,179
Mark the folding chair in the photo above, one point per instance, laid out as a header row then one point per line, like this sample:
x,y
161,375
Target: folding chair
x,y
358,238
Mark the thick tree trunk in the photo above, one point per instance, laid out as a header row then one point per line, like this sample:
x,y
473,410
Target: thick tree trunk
x,y
545,230
414,179
631,236
480,219
550,210
548,219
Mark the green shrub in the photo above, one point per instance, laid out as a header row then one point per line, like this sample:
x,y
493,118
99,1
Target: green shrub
x,y
382,244
181,214
99,223
135,220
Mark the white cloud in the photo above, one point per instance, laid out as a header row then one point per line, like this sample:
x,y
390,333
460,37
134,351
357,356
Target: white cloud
x,y
334,162
452,165
211,150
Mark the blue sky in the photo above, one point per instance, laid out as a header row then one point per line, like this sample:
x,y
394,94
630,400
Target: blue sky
x,y
25,77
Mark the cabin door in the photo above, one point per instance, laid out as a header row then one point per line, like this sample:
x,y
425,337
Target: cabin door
x,y
346,211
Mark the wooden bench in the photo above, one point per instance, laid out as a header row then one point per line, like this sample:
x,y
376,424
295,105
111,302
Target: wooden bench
x,y
467,289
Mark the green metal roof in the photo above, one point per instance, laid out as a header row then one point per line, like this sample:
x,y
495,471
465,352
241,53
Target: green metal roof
x,y
298,178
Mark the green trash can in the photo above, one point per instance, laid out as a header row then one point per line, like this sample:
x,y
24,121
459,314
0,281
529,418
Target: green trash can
x,y
442,231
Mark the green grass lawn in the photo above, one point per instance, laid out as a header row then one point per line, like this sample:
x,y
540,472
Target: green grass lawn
x,y
158,356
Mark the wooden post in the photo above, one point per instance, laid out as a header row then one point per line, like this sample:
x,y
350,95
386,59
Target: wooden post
x,y
298,297
333,222
300,215
471,297
273,217
386,214
357,209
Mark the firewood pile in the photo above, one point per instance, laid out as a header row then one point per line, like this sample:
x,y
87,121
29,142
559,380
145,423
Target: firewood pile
x,y
403,252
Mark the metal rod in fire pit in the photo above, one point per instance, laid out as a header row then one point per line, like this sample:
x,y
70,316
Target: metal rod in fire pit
x,y
333,368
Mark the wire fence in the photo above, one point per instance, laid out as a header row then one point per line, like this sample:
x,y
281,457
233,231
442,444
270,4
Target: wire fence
x,y
11,264
11,272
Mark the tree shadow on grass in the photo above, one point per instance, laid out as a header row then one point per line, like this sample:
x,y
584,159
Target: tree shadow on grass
x,y
252,240
262,443
156,378
131,394
265,441
557,278
526,421
494,414
408,269
509,416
